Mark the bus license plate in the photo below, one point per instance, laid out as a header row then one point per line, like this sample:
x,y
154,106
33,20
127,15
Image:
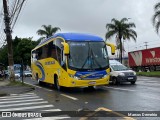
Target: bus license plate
x,y
92,83
130,78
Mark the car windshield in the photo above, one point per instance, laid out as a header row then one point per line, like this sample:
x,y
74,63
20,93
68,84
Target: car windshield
x,y
88,56
119,67
27,72
16,72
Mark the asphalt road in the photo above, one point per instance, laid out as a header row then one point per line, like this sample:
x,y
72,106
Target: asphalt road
x,y
125,101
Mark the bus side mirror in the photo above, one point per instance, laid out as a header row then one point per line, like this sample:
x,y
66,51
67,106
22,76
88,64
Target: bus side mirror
x,y
113,48
66,48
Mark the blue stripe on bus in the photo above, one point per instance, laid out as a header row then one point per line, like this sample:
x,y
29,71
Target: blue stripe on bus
x,y
91,75
39,65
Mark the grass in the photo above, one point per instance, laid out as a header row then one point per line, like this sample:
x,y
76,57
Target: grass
x,y
149,74
18,83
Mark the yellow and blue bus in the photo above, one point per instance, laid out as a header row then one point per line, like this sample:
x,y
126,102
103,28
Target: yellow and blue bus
x,y
71,60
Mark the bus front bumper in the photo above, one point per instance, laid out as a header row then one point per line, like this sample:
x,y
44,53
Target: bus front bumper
x,y
91,82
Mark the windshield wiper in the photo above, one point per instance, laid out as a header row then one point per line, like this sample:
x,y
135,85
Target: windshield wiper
x,y
95,59
86,58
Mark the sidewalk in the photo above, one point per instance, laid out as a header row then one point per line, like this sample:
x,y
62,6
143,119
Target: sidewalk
x,y
6,89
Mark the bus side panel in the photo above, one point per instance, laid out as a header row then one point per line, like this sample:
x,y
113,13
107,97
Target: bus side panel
x,y
47,68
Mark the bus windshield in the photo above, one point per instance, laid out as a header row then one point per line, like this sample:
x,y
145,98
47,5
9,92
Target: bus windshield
x,y
88,55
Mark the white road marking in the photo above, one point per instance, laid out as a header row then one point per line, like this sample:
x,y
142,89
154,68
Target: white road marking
x,y
22,101
73,98
121,89
17,96
30,103
11,99
26,108
23,94
38,86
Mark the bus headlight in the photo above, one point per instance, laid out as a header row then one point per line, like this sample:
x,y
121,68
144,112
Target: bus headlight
x,y
75,77
104,76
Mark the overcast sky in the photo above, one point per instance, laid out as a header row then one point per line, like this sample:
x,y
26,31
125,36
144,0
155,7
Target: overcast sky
x,y
88,16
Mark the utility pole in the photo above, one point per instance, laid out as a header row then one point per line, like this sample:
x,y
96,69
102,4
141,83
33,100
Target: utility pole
x,y
146,44
7,31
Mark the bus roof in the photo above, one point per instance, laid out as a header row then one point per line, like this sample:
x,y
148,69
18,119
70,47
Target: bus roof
x,y
74,37
78,37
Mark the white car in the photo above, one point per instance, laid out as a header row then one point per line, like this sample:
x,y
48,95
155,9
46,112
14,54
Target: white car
x,y
27,73
120,73
17,74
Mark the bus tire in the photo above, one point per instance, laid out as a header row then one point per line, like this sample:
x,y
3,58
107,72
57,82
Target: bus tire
x,y
56,83
91,87
39,82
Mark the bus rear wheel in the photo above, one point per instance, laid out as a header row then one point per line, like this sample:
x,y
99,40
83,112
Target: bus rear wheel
x,y
56,84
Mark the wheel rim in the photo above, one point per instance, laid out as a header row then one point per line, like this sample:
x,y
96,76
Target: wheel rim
x,y
114,81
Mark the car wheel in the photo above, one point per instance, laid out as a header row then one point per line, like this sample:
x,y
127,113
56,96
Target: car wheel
x,y
56,84
114,81
133,82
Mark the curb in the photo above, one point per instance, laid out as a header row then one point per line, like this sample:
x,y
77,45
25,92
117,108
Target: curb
x,y
25,90
3,94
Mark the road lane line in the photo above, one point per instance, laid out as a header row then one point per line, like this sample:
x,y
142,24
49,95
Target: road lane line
x,y
73,98
26,108
38,86
121,89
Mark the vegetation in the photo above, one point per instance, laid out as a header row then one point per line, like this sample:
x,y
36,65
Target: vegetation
x,y
149,74
122,30
156,16
22,46
18,83
21,51
47,31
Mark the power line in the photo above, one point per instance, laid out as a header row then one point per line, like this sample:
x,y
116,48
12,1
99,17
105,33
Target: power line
x,y
146,44
14,12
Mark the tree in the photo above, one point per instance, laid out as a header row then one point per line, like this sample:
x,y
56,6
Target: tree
x,y
156,17
22,50
48,31
122,30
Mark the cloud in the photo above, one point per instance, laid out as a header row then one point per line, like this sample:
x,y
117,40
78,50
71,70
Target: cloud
x,y
87,16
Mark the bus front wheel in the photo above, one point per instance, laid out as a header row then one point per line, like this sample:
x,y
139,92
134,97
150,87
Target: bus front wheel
x,y
39,82
56,83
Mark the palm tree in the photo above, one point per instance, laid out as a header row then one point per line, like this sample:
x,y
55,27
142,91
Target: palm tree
x,y
47,32
121,29
156,17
